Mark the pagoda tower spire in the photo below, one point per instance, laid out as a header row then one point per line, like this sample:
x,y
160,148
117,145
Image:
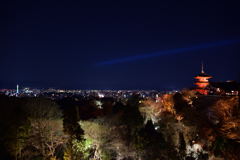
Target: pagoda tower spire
x,y
202,82
202,71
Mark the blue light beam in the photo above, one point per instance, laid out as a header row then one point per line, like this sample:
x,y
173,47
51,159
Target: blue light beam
x,y
171,51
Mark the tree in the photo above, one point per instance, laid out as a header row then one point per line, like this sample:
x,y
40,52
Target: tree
x,y
228,115
112,134
46,128
13,127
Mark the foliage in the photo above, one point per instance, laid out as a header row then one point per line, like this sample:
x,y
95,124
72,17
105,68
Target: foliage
x,y
162,128
228,115
100,134
36,131
46,131
83,147
153,110
67,155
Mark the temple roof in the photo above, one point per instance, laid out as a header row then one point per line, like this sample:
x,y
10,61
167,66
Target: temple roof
x,y
202,74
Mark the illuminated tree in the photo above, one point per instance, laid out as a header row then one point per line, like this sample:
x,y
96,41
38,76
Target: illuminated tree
x,y
102,135
157,109
228,115
46,128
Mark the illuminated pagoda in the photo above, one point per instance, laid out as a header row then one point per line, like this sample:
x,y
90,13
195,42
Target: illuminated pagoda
x,y
202,82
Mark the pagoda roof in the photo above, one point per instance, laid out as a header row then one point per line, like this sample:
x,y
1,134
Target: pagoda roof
x,y
202,74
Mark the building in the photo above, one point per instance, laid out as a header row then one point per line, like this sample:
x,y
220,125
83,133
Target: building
x,y
202,82
230,88
204,87
17,90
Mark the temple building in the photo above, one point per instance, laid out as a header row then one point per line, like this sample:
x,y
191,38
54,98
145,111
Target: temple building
x,y
202,82
228,88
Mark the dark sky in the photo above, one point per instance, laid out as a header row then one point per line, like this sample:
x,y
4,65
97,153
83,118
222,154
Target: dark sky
x,y
61,43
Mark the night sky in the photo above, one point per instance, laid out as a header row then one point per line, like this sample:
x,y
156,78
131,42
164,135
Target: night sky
x,y
97,45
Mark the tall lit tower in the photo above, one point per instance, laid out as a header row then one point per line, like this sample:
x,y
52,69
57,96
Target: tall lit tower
x,y
202,82
17,89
